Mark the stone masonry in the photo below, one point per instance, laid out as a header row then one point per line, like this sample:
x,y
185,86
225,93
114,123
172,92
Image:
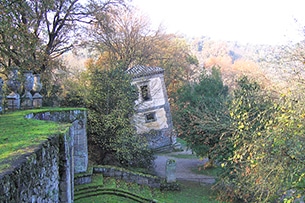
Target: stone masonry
x,y
47,174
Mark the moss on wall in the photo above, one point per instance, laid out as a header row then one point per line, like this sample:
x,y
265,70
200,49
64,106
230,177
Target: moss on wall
x,y
37,156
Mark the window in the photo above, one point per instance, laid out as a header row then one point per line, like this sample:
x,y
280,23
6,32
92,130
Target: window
x,y
150,117
145,93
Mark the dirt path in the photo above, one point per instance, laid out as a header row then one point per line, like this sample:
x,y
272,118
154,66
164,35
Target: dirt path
x,y
184,167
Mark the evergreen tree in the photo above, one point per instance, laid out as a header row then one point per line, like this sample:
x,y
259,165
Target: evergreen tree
x,y
201,116
110,100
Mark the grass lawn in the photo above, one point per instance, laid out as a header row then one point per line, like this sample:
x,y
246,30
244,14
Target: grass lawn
x,y
191,192
184,156
19,135
213,171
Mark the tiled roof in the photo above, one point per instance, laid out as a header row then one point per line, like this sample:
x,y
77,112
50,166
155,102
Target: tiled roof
x,y
141,71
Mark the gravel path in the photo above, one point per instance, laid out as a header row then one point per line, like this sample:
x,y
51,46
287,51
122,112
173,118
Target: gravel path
x,y
184,167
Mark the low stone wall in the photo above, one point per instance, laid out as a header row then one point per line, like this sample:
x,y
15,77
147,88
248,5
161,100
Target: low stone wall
x,y
47,174
141,179
84,179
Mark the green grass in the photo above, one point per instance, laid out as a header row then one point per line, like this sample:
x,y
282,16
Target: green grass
x,y
190,192
182,142
213,171
19,135
184,156
105,199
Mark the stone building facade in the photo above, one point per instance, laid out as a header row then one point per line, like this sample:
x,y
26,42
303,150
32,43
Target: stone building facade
x,y
153,117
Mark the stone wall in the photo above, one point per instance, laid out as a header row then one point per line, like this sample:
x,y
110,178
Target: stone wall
x,y
36,179
47,174
141,179
78,119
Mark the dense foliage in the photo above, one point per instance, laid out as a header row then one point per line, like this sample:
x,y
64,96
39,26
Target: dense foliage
x,y
110,100
266,162
201,115
257,136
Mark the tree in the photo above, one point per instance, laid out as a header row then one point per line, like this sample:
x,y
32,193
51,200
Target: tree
x,y
266,160
180,65
32,33
122,37
201,117
110,100
16,41
247,107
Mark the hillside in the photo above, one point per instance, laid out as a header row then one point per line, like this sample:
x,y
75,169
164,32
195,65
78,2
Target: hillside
x,y
271,65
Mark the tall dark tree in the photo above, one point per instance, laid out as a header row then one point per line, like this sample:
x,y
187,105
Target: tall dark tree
x,y
201,115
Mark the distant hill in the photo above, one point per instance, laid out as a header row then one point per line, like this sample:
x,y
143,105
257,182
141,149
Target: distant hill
x,y
270,65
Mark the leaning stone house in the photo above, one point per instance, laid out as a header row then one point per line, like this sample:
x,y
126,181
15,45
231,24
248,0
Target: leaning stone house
x,y
153,117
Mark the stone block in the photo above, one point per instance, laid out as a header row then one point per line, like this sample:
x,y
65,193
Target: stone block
x,y
13,101
170,171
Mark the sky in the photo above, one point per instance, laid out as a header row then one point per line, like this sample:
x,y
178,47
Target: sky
x,y
246,21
